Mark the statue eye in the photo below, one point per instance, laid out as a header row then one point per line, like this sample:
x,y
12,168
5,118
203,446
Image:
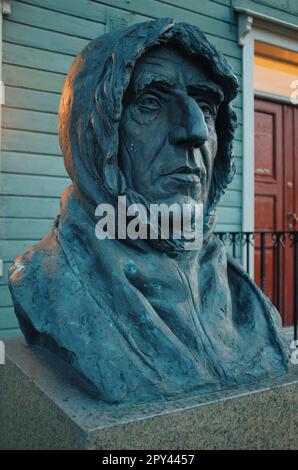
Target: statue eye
x,y
149,102
207,110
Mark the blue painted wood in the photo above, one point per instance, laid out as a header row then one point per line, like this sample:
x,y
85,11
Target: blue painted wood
x,y
28,206
232,198
205,7
7,332
34,164
29,120
7,318
32,79
31,142
283,10
5,297
225,214
26,228
15,54
223,2
205,17
51,20
149,9
47,40
33,100
34,185
76,8
13,248
58,42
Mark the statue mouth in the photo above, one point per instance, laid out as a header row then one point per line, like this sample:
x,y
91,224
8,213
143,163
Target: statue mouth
x,y
186,174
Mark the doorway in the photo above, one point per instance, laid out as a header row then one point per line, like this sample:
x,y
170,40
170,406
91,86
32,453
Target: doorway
x,y
276,201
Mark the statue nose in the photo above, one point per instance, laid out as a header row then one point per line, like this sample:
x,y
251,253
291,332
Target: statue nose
x,y
192,130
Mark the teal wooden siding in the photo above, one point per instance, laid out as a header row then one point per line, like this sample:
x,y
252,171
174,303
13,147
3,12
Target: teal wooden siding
x,y
40,41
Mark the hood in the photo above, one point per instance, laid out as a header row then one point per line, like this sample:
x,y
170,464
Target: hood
x,y
91,106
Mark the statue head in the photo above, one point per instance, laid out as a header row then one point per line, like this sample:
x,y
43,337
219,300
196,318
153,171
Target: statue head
x,y
146,113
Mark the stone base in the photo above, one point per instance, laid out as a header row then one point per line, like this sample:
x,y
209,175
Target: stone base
x,y
41,407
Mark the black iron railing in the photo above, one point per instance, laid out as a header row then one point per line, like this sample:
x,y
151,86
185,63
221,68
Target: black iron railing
x,y
272,259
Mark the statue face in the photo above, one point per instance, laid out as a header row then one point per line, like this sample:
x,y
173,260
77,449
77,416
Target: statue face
x,y
168,139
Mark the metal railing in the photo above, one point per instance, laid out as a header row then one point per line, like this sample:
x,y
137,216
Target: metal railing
x,y
273,258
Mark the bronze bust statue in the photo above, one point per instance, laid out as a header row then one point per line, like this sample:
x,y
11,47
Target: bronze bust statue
x,y
145,113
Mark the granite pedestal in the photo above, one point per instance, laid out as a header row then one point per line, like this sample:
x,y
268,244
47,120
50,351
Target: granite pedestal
x,y
43,406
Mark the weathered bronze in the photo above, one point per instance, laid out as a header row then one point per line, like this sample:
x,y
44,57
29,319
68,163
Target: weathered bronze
x,y
145,112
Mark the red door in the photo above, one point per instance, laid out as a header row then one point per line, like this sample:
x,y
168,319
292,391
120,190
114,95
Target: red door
x,y
276,200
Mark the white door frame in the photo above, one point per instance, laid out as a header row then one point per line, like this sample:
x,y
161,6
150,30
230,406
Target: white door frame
x,y
255,27
5,10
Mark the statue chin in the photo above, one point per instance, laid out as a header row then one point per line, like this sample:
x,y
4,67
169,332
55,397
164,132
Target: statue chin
x,y
138,319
